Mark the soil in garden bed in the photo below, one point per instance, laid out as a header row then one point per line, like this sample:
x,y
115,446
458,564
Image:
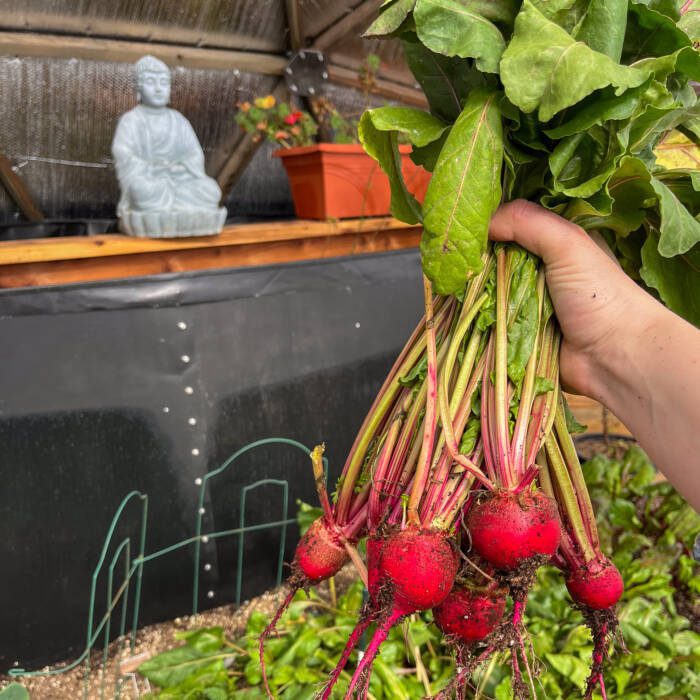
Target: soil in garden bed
x,y
150,641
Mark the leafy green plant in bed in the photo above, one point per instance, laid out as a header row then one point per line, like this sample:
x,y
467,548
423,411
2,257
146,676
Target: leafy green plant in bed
x,y
643,520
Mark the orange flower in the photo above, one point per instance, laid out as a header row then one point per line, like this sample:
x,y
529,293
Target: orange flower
x,y
281,135
244,107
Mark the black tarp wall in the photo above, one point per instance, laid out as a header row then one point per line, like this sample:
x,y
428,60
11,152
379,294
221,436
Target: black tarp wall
x,y
148,384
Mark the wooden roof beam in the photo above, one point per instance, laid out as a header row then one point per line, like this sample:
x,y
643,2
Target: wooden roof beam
x,y
361,15
99,49
385,88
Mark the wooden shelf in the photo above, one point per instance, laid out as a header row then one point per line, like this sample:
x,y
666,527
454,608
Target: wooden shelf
x,y
52,261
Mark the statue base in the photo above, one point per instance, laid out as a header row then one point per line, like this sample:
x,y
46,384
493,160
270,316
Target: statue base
x,y
172,224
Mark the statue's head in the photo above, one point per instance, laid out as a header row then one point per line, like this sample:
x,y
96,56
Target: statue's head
x,y
152,82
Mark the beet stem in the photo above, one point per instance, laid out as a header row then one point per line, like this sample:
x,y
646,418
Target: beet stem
x,y
567,499
527,395
446,411
356,561
501,371
430,420
573,466
320,480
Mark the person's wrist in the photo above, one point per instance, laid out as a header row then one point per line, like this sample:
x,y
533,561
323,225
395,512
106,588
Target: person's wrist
x,y
619,363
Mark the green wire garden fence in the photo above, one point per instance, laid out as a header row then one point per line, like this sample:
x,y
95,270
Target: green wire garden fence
x,y
125,590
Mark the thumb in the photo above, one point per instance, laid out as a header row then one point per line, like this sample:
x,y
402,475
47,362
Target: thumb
x,y
542,232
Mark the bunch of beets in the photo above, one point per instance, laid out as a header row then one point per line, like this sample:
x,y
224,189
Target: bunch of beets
x,y
463,478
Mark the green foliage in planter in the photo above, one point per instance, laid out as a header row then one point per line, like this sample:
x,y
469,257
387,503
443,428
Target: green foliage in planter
x,y
644,522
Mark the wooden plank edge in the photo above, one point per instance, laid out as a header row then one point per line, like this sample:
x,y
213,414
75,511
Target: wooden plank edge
x,y
187,260
74,248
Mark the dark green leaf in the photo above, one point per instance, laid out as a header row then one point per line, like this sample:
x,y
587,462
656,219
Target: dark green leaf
x,y
455,28
623,514
572,425
383,147
603,27
632,195
306,515
523,312
650,33
470,436
172,667
676,279
601,107
679,230
463,194
445,81
544,68
427,156
416,373
581,164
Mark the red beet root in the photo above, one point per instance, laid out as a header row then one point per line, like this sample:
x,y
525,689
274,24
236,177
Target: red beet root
x,y
320,553
470,614
597,585
421,566
417,569
508,529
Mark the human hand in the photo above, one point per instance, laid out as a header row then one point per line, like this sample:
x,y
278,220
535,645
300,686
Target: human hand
x,y
598,306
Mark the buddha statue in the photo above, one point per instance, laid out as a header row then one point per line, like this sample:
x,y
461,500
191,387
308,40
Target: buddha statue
x,y
160,165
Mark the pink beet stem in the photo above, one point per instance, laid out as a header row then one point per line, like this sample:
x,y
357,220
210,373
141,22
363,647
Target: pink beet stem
x,y
501,371
380,634
371,425
320,480
527,395
430,420
266,633
542,413
352,642
439,483
573,466
446,409
380,475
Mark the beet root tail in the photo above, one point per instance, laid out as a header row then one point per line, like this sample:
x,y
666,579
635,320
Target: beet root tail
x,y
268,631
365,666
602,624
366,618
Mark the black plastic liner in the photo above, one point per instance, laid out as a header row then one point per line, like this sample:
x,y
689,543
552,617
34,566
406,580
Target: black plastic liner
x,y
148,384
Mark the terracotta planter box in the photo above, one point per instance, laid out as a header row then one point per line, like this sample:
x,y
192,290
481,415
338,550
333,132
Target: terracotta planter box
x,y
340,181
